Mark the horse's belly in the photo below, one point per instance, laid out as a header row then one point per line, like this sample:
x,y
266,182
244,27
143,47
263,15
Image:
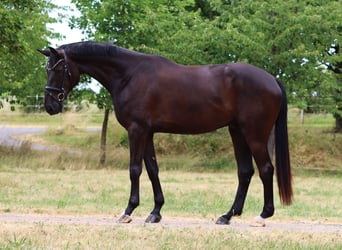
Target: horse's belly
x,y
193,123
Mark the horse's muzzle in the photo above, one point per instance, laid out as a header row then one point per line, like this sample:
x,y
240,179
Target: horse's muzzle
x,y
53,107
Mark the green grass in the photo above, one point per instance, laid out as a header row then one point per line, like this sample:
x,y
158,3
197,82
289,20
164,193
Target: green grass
x,y
150,237
93,118
313,146
188,195
106,191
323,120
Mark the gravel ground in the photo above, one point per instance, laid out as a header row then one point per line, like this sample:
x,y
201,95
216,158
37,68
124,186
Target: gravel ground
x,y
237,224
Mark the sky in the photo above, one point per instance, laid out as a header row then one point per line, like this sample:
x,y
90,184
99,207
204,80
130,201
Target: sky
x,y
71,35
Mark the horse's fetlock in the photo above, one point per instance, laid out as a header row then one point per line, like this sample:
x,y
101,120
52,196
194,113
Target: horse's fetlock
x,y
134,202
267,212
236,212
160,201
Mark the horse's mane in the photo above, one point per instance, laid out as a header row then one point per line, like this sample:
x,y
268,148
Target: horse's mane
x,y
94,49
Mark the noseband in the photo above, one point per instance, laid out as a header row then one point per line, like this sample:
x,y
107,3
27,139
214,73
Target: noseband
x,y
60,96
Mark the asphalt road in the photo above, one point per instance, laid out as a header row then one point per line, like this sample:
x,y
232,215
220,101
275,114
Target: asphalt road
x,y
8,134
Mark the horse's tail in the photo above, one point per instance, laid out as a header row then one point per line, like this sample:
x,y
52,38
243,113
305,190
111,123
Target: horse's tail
x,y
284,176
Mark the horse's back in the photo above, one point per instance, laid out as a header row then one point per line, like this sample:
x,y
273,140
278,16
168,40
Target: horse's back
x,y
196,99
253,78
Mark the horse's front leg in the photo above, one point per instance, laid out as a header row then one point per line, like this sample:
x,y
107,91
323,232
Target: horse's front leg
x,y
153,170
137,142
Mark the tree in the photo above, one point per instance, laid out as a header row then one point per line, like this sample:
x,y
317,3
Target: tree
x,y
108,21
104,101
22,31
291,40
335,66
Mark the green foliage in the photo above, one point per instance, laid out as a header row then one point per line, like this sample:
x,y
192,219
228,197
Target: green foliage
x,y
23,31
104,100
297,41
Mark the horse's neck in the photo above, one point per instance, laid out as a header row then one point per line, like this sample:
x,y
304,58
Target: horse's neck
x,y
106,70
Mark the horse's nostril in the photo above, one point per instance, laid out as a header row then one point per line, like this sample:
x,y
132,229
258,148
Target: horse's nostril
x,y
49,109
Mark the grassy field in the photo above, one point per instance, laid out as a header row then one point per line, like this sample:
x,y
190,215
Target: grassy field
x,y
106,191
189,195
313,145
198,175
40,236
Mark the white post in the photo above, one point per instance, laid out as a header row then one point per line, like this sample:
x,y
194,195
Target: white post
x,y
302,116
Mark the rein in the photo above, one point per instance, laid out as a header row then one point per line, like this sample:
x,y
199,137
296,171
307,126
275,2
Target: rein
x,y
60,91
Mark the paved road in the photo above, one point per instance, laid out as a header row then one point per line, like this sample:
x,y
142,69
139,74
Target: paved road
x,y
7,134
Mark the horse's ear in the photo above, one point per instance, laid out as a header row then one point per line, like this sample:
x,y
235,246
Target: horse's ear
x,y
53,51
44,52
48,52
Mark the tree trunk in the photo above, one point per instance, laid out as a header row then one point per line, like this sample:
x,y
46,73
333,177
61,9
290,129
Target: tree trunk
x,y
338,123
104,137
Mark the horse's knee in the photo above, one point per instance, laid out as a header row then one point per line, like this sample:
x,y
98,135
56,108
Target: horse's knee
x,y
135,172
248,172
245,175
266,171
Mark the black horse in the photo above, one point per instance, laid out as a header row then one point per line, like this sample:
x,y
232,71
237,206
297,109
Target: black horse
x,y
151,94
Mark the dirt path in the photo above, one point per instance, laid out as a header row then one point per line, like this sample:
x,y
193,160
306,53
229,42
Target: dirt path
x,y
236,224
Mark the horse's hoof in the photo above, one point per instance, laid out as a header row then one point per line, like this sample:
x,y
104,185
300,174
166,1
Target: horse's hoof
x,y
153,218
222,221
125,218
258,222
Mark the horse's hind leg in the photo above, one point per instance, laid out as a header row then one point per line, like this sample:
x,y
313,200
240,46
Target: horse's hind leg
x,y
245,172
266,170
153,170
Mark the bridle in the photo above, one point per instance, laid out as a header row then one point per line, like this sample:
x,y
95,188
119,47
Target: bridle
x,y
60,92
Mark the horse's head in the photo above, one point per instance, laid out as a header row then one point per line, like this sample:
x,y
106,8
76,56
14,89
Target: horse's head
x,y
62,76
